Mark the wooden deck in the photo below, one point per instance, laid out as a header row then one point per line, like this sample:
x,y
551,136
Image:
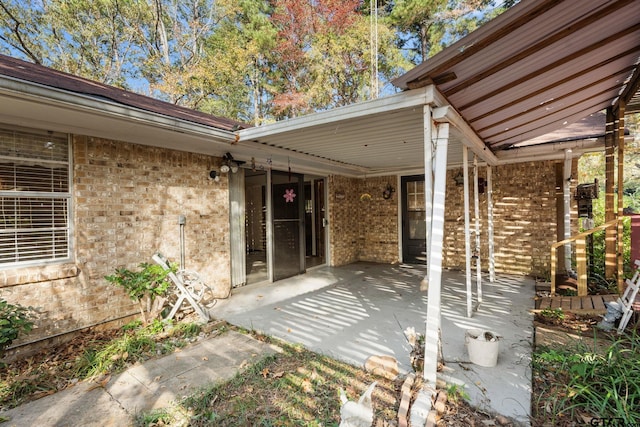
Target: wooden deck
x,y
590,304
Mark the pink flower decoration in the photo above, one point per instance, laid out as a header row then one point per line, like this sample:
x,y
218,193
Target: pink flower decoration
x,y
289,195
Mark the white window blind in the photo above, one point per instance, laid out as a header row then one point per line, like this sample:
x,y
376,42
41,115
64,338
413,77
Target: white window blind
x,y
34,197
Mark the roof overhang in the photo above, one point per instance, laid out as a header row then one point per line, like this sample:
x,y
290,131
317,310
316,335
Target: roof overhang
x,y
541,65
377,137
33,105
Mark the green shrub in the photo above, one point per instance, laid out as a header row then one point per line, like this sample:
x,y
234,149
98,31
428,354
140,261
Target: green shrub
x,y
148,287
14,320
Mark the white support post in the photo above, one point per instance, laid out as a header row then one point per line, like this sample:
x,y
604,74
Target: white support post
x,y
476,203
566,190
467,229
432,337
492,260
428,177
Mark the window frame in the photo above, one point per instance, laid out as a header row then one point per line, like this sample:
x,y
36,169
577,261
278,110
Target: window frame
x,y
64,198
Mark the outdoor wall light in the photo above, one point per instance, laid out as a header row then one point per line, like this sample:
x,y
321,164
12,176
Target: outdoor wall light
x,y
214,175
459,179
230,164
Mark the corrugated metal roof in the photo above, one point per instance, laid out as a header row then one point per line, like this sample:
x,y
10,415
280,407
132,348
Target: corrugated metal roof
x,y
538,67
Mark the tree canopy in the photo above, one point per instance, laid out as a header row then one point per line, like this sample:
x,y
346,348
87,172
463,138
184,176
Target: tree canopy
x,y
250,60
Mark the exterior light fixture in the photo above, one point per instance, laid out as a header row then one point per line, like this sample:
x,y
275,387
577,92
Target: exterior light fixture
x,y
230,164
214,175
459,179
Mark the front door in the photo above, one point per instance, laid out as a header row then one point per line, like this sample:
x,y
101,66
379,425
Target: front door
x,y
414,226
287,193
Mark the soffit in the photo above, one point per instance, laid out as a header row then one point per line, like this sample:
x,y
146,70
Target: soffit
x,y
382,136
538,67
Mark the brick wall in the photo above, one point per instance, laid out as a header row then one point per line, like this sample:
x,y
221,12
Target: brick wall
x,y
525,219
362,228
127,199
524,213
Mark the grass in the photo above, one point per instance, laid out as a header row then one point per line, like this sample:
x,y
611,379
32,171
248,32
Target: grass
x,y
580,383
88,355
295,387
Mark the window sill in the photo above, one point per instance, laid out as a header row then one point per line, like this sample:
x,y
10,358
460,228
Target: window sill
x,y
26,275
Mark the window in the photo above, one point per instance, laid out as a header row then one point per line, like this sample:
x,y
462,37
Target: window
x,y
35,197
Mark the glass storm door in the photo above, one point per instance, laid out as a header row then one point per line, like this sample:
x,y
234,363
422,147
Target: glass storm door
x,y
287,194
414,227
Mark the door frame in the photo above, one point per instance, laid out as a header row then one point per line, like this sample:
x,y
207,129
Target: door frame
x,y
404,230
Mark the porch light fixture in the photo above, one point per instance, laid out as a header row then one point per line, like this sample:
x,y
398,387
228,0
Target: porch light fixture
x,y
230,164
459,179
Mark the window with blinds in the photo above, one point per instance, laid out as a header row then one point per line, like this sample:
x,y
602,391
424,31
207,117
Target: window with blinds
x,y
35,197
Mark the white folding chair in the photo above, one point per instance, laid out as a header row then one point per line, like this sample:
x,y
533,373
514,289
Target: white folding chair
x,y
190,288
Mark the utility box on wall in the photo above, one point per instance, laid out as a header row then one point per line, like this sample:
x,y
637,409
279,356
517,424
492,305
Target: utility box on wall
x,y
585,193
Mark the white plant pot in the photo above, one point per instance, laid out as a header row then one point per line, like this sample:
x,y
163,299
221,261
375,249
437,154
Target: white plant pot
x,y
483,347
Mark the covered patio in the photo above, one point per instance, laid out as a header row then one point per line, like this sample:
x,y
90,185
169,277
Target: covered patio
x,y
360,310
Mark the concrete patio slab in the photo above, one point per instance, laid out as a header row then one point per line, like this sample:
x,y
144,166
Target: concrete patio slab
x,y
359,310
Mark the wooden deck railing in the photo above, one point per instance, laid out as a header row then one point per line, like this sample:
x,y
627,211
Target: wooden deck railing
x,y
581,256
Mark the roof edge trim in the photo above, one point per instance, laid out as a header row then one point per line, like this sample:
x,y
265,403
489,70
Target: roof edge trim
x,y
21,89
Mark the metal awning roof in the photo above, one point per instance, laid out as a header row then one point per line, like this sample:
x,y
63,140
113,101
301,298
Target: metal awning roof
x,y
538,67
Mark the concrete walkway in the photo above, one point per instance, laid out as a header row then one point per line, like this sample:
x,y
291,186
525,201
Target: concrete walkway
x,y
362,309
155,384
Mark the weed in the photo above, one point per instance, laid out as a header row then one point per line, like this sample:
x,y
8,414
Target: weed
x,y
160,417
455,393
579,380
553,313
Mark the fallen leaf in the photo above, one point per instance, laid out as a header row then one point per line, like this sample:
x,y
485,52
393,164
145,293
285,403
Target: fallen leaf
x,y
265,372
278,374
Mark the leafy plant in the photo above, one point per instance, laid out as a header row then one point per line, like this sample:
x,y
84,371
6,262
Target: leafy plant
x,y
552,315
148,287
580,381
456,392
14,320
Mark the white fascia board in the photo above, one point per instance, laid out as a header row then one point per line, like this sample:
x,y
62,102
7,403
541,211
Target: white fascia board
x,y
407,99
470,138
34,92
551,151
